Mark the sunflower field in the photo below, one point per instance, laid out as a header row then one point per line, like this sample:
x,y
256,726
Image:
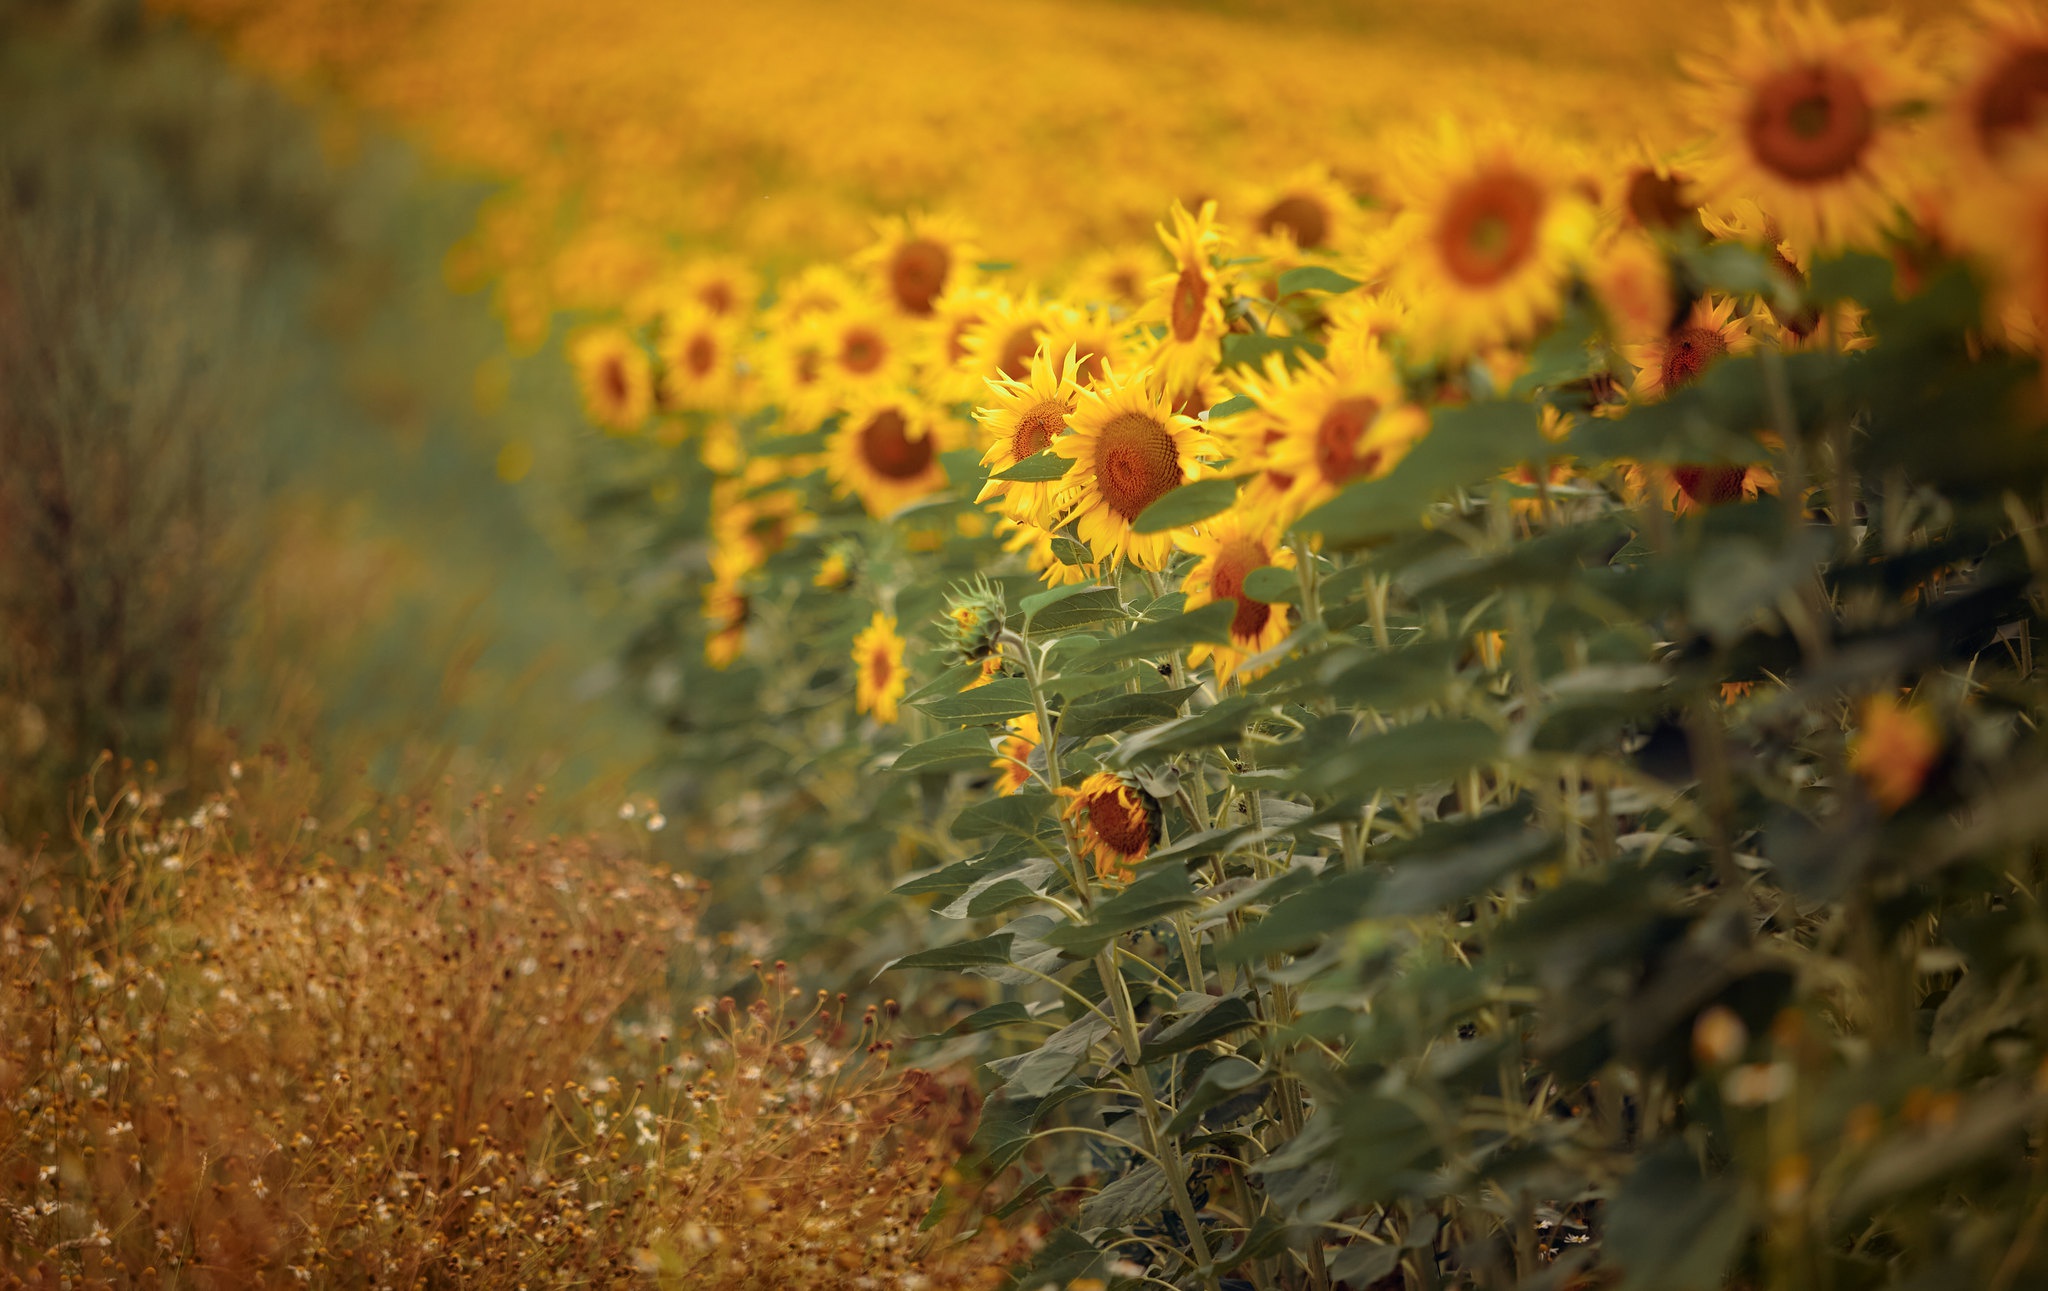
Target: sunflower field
x,y
1426,682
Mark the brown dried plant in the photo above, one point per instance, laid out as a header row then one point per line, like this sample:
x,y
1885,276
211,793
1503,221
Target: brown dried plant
x,y
236,1052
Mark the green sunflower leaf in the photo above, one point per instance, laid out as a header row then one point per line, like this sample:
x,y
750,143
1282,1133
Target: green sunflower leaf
x,y
1273,584
954,751
1315,277
1210,624
1036,469
1187,504
1002,698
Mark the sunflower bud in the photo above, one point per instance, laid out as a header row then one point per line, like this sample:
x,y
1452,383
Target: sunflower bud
x,y
973,621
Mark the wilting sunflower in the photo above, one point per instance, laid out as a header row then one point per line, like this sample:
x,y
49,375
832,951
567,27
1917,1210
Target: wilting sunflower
x,y
1307,211
886,452
1808,115
697,359
1013,753
1129,450
1041,555
1710,330
915,258
616,378
1097,342
879,674
1338,425
1189,300
1631,278
1484,247
865,350
1021,419
1116,279
1001,344
1117,824
1893,750
1231,546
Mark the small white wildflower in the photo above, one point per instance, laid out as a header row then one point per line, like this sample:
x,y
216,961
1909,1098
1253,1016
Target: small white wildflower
x,y
656,823
235,773
627,810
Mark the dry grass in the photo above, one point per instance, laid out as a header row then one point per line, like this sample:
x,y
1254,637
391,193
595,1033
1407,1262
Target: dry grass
x,y
235,1052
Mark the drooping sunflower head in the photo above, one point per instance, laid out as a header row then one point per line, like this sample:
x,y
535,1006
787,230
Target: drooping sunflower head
x,y
1338,425
1022,418
879,674
886,451
616,378
1488,236
1129,449
1189,299
1230,547
915,258
1118,824
697,352
1013,753
1710,330
1809,116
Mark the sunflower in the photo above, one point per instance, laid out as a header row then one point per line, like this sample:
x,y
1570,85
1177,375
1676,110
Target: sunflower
x,y
865,350
1696,486
1308,211
616,378
1116,823
1040,555
943,360
1709,331
1024,418
726,608
1631,279
1096,341
2004,225
724,286
1001,343
886,452
1893,750
1189,300
793,363
1653,194
1338,425
819,289
1484,247
756,523
1359,321
1115,279
2001,99
1129,450
916,258
879,674
1805,114
1231,546
696,348
1013,753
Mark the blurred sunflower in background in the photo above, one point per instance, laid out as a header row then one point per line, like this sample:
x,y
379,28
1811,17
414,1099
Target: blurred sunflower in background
x,y
865,350
886,452
999,345
1307,211
1188,302
879,674
943,358
616,378
1098,342
697,352
1337,425
1230,547
1810,117
1116,278
1129,449
1013,753
915,258
1022,419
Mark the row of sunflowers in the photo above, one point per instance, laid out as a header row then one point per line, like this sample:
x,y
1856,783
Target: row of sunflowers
x,y
1475,733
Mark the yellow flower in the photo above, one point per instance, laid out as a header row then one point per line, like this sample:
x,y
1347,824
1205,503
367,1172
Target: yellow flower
x,y
726,608
1117,824
696,352
1231,546
1000,344
1097,342
1115,278
1024,417
1129,449
2004,224
616,379
1337,425
817,290
1631,279
1189,299
1711,330
1484,247
879,675
793,373
865,350
1036,544
886,452
1652,195
2002,96
1014,752
916,258
755,523
946,372
725,286
1805,115
834,571
1307,211
1894,748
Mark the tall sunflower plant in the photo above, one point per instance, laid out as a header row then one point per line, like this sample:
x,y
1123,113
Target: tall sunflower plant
x,y
1505,752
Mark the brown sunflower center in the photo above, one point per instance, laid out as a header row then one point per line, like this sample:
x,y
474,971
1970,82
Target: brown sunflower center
x,y
701,355
1035,429
1125,826
862,350
888,449
1340,437
1657,201
917,274
1488,229
1136,463
1124,284
1191,402
1280,479
2013,97
1236,558
1014,359
1089,368
769,530
1687,352
956,337
1302,216
1190,294
880,666
1810,124
806,367
717,297
612,377
1710,486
